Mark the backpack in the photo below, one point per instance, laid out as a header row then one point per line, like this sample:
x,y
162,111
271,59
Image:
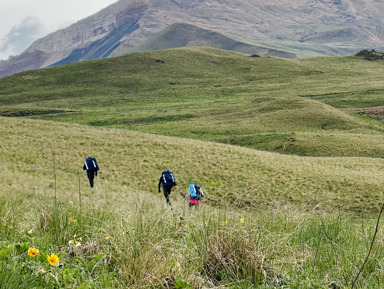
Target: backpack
x,y
168,179
196,192
91,164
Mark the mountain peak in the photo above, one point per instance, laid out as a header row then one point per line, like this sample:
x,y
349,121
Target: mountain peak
x,y
133,11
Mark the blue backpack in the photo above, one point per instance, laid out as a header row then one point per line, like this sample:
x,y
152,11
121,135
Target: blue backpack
x,y
91,164
168,179
196,192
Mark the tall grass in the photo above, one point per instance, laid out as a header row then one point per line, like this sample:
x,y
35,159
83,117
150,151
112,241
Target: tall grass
x,y
141,243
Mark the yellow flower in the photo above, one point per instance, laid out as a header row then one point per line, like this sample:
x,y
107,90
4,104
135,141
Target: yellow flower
x,y
73,221
225,222
107,238
33,252
22,265
124,233
242,221
53,259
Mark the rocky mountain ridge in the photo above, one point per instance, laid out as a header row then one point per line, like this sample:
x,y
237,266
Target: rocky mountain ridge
x,y
300,27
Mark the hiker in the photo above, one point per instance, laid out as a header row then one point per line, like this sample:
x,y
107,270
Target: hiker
x,y
92,167
195,195
167,180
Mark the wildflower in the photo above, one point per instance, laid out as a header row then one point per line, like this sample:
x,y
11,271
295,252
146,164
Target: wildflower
x,y
124,233
107,238
225,222
73,221
242,221
22,265
33,252
41,271
74,243
53,259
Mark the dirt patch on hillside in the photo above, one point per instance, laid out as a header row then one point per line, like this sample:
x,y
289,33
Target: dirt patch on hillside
x,y
27,112
376,112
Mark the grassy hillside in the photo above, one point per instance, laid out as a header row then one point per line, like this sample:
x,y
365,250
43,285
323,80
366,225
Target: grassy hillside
x,y
304,107
33,152
268,220
304,222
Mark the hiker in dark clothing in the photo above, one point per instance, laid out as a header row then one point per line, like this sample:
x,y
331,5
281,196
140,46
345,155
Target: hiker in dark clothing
x,y
167,180
92,167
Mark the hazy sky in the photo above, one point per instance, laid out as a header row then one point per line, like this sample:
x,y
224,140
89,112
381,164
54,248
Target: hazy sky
x,y
23,21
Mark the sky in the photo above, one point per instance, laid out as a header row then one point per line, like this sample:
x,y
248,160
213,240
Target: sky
x,y
24,21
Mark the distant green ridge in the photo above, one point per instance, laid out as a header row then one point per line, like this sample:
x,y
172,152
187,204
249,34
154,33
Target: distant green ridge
x,y
306,107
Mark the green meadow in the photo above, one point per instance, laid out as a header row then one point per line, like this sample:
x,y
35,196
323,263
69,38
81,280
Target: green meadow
x,y
288,158
303,107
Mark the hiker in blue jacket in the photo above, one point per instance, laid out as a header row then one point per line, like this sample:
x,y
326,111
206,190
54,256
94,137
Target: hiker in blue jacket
x,y
92,167
167,180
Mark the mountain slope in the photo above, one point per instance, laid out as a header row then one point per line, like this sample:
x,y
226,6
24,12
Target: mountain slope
x,y
304,28
305,107
130,163
183,35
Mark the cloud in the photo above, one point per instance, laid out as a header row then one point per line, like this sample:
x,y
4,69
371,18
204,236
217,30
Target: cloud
x,y
20,37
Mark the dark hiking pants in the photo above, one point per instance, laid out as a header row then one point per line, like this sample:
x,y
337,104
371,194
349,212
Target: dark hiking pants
x,y
167,192
91,176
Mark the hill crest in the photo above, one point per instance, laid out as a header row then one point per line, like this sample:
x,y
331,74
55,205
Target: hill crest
x,y
304,28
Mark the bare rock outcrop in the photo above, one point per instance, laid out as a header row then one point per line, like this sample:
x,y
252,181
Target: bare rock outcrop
x,y
371,55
